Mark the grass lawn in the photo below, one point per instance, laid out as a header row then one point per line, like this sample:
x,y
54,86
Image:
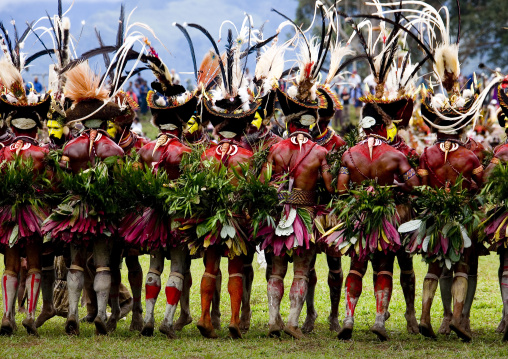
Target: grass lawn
x,y
485,316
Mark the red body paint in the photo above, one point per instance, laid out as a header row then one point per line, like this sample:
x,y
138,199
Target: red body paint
x,y
152,291
173,295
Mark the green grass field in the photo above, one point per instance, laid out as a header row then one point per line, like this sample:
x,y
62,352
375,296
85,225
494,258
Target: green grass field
x,y
486,312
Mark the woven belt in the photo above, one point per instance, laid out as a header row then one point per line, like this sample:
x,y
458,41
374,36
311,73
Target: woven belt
x,y
299,197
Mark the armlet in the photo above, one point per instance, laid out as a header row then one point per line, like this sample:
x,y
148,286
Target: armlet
x,y
495,160
409,174
478,169
325,167
422,172
64,159
344,171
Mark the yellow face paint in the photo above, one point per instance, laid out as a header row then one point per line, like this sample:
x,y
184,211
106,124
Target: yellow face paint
x,y
258,120
192,125
112,130
391,132
55,129
311,126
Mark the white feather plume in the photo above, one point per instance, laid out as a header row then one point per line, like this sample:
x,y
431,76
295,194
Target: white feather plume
x,y
447,60
337,55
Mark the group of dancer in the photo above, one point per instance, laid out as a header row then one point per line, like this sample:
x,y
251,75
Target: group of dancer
x,y
373,198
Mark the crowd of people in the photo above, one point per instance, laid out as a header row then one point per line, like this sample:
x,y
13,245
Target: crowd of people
x,y
98,192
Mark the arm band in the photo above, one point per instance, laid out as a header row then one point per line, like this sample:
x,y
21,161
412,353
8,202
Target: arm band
x,y
325,167
64,159
494,160
344,171
409,174
422,172
478,169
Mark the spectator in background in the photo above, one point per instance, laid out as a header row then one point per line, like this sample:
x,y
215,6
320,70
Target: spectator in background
x,y
356,94
175,77
355,79
137,127
143,91
345,96
37,85
132,94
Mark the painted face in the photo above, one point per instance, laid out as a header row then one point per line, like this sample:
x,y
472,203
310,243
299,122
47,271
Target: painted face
x,y
257,121
55,130
112,130
192,125
391,132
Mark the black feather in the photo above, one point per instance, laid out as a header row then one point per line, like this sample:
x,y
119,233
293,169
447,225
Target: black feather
x,y
37,55
214,44
362,40
416,69
25,33
97,51
298,29
60,9
350,61
259,45
64,55
58,38
40,40
230,59
323,36
107,60
289,72
191,47
404,64
7,39
321,59
458,30
121,27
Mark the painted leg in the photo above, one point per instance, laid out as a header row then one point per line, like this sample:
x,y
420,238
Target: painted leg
x,y
235,289
135,277
298,292
21,293
152,289
174,287
335,279
47,287
383,265
102,282
185,316
445,286
75,283
9,289
408,284
353,292
459,291
310,319
114,292
208,287
429,291
248,278
33,285
275,291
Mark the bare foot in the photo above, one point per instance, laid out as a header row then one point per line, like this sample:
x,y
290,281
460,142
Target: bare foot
x,y
47,312
100,327
6,328
426,330
334,324
456,326
445,326
274,330
295,332
147,330
380,331
72,326
206,329
167,330
308,325
234,331
501,327
347,331
245,320
89,318
29,325
185,319
215,319
111,323
136,321
411,323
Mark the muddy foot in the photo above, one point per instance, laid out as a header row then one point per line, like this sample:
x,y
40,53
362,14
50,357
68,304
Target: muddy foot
x,y
308,325
216,321
426,330
136,321
460,331
347,330
6,328
466,324
111,324
274,330
295,332
168,331
234,331
72,326
445,326
147,330
100,327
380,331
185,319
29,325
411,323
46,314
334,324
89,318
501,327
207,329
245,320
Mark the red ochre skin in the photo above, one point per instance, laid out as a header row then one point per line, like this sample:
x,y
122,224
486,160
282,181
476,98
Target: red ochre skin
x,y
267,141
477,148
77,150
399,144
